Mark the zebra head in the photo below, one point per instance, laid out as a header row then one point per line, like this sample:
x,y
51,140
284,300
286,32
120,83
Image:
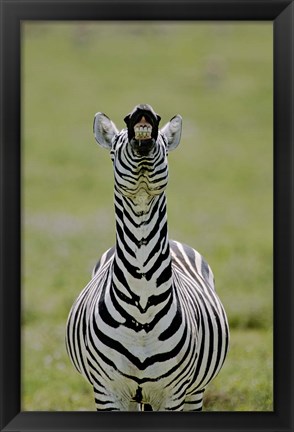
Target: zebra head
x,y
139,151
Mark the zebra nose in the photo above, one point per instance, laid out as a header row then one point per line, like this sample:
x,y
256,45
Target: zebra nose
x,y
142,123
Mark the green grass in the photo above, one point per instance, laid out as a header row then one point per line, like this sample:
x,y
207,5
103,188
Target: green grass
x,y
219,78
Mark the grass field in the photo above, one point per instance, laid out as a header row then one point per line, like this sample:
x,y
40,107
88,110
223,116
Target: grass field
x,y
218,76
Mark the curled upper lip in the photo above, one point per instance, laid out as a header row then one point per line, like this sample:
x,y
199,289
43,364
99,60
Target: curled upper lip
x,y
143,131
142,124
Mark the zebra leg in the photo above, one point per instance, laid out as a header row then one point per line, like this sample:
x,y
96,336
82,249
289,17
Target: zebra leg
x,y
104,401
107,402
194,401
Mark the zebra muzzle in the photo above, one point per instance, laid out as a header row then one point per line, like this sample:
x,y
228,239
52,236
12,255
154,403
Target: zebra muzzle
x,y
143,130
142,124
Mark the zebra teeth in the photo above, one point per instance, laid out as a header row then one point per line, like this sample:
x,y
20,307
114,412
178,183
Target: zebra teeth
x,y
142,131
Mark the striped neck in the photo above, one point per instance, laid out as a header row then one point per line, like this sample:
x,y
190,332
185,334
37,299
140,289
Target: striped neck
x,y
142,259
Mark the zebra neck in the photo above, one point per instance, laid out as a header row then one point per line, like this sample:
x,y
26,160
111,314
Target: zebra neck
x,y
142,256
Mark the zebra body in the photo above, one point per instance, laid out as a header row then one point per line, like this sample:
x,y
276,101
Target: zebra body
x,y
149,329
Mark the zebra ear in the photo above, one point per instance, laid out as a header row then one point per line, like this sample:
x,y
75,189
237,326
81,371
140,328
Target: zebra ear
x,y
104,130
173,130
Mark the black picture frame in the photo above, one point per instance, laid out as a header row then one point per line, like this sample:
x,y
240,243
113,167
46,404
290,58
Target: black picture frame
x,y
281,13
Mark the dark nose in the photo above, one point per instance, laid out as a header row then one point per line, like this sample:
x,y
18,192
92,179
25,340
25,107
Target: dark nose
x,y
151,119
142,109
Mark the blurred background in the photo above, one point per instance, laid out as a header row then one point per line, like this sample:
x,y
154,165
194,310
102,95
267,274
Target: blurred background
x,y
218,76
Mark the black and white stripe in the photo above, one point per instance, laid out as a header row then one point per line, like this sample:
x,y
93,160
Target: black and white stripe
x,y
148,331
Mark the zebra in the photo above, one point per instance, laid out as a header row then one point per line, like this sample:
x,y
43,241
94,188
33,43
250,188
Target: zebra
x,y
148,331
